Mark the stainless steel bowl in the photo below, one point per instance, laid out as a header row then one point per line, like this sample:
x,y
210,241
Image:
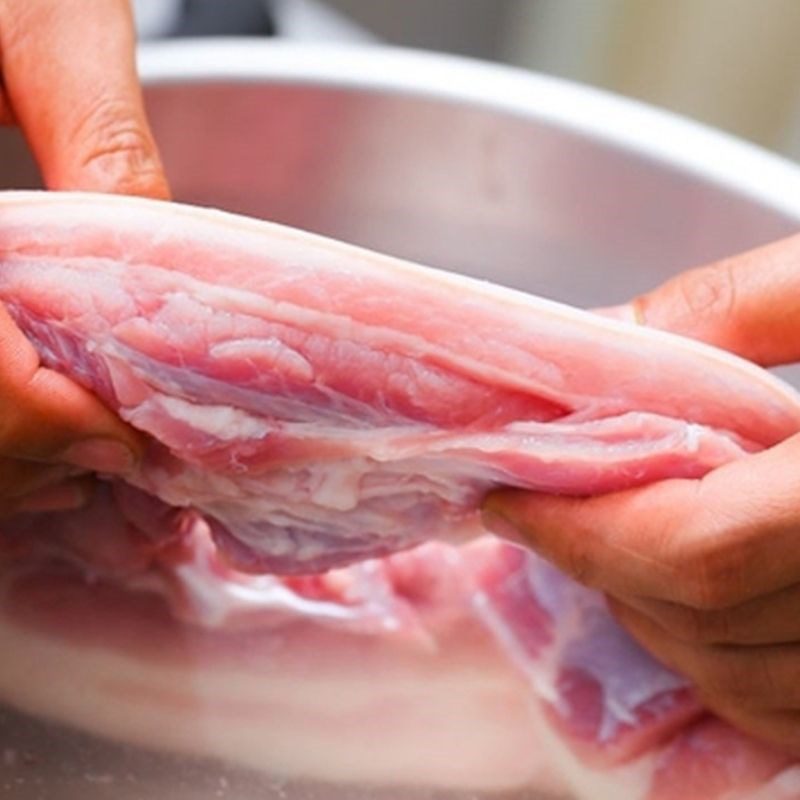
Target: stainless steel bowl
x,y
521,179
527,180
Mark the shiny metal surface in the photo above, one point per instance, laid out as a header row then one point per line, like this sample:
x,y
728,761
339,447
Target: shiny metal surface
x,y
526,181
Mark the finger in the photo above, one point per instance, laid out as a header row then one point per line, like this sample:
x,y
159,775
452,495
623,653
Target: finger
x,y
65,496
614,543
21,478
45,416
712,543
769,619
780,728
69,73
750,678
746,304
6,112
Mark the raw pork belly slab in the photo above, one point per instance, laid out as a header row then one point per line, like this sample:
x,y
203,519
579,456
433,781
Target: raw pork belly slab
x,y
292,677
308,404
318,404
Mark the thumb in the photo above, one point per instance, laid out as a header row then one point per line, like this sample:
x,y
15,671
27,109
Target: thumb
x,y
46,417
69,74
746,304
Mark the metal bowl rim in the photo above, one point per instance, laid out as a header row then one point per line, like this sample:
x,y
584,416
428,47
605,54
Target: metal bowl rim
x,y
682,144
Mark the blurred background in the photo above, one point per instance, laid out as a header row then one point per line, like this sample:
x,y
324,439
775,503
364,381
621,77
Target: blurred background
x,y
733,64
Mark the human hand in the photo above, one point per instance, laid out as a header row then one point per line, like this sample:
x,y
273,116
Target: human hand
x,y
69,81
704,573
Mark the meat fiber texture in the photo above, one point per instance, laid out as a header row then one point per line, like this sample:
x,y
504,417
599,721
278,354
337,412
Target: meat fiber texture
x,y
617,725
307,405
318,404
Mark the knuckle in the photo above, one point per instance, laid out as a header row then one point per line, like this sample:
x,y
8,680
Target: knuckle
x,y
700,627
117,148
709,291
780,727
709,573
728,679
745,678
577,561
694,583
704,591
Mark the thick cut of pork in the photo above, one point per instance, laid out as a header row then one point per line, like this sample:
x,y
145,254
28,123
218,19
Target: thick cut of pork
x,y
308,404
297,678
168,648
316,404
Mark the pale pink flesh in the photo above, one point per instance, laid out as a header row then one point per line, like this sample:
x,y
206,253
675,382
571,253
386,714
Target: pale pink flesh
x,y
312,404
461,715
280,683
613,707
609,700
320,404
711,760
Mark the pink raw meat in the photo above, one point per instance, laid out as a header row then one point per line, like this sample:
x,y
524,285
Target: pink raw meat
x,y
298,676
295,677
318,404
310,404
622,724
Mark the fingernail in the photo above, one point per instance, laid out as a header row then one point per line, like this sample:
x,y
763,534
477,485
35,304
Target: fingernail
x,y
100,455
502,527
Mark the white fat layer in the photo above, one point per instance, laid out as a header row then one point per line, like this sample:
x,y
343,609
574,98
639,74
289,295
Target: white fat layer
x,y
785,786
216,602
205,592
222,422
270,350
